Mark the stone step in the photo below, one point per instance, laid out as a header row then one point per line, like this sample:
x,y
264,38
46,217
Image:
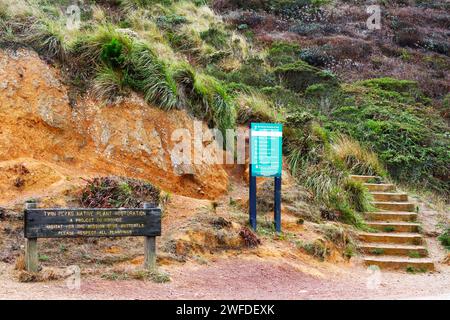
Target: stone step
x,y
398,226
381,187
395,206
379,249
389,216
360,178
389,196
400,263
397,238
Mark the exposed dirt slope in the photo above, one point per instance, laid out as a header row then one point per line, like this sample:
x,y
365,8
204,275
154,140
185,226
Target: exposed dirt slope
x,y
37,122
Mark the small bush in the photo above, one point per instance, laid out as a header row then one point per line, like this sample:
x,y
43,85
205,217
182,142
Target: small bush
x,y
87,50
316,249
217,106
109,84
215,37
117,192
146,73
316,56
112,53
283,53
358,196
337,234
255,107
445,239
357,159
253,72
250,239
47,38
408,37
300,75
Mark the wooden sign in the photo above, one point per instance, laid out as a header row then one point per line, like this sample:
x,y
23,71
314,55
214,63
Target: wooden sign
x,y
75,223
62,223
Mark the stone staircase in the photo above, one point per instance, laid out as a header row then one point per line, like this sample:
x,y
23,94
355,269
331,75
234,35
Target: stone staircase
x,y
396,241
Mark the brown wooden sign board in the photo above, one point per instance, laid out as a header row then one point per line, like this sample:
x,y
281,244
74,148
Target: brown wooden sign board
x,y
64,223
80,222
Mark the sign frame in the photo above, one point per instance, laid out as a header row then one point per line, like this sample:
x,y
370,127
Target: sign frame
x,y
263,136
151,222
278,129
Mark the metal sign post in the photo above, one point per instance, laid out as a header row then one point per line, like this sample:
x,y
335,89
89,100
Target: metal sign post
x,y
265,161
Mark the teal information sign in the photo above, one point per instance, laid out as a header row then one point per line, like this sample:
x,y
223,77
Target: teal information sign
x,y
266,149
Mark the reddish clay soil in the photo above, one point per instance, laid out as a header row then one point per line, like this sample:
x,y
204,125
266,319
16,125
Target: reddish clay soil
x,y
243,278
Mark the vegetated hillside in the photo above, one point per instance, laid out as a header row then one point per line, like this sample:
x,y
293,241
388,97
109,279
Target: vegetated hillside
x,y
303,63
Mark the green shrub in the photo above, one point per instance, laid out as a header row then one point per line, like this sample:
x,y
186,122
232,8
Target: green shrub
x,y
391,119
215,37
109,84
281,53
315,56
112,53
445,239
256,108
146,73
299,75
358,196
317,249
356,159
170,21
216,105
88,49
47,38
118,192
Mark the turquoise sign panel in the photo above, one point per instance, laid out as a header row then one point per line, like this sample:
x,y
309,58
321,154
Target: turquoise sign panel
x,y
266,149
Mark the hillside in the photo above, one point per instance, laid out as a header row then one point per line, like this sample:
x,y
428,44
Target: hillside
x,y
88,112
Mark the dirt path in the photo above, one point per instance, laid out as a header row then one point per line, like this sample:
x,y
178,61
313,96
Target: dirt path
x,y
238,278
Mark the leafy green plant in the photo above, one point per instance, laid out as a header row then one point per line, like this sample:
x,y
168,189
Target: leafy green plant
x,y
43,257
109,84
216,105
357,159
414,254
281,53
47,37
390,117
88,49
377,251
112,53
146,73
388,229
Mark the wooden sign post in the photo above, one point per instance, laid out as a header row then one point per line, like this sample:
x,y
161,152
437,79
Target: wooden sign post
x,y
80,222
31,249
266,161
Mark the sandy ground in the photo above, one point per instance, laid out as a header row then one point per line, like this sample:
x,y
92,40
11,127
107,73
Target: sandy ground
x,y
242,278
